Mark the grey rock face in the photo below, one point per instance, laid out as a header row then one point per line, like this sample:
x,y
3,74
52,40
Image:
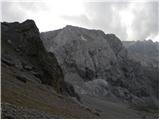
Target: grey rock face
x,y
23,49
146,52
7,61
87,55
81,56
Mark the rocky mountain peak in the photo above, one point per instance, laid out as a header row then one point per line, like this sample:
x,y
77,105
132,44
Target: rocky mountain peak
x,y
29,25
81,28
114,42
22,46
37,67
87,56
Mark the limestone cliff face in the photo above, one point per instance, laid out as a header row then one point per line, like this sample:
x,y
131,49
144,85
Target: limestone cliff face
x,y
23,49
97,64
84,51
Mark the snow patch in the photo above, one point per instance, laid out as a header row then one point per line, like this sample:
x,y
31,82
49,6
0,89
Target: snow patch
x,y
82,38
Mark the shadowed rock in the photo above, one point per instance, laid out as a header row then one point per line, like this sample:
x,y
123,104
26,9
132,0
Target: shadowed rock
x,y
25,38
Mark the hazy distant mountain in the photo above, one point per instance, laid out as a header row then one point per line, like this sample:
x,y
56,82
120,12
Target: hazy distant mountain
x,y
97,64
146,52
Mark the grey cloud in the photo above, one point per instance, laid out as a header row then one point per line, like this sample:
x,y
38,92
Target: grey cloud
x,y
106,16
102,15
10,12
145,22
81,20
33,6
98,15
17,11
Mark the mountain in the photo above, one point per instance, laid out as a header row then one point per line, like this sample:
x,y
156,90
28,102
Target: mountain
x,y
32,82
146,52
72,72
98,65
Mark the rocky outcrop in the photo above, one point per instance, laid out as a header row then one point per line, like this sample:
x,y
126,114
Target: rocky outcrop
x,y
90,57
23,49
146,52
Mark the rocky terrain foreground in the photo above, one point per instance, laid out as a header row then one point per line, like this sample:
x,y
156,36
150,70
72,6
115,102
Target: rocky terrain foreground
x,y
72,73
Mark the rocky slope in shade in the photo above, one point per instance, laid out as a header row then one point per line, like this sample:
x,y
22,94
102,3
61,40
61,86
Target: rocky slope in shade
x,y
10,111
146,52
31,99
32,78
97,64
22,47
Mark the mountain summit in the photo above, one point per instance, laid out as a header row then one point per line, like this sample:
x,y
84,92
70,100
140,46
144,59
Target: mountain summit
x,y
74,72
90,58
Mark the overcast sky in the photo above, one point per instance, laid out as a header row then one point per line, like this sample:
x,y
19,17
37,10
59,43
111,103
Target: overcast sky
x,y
129,20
